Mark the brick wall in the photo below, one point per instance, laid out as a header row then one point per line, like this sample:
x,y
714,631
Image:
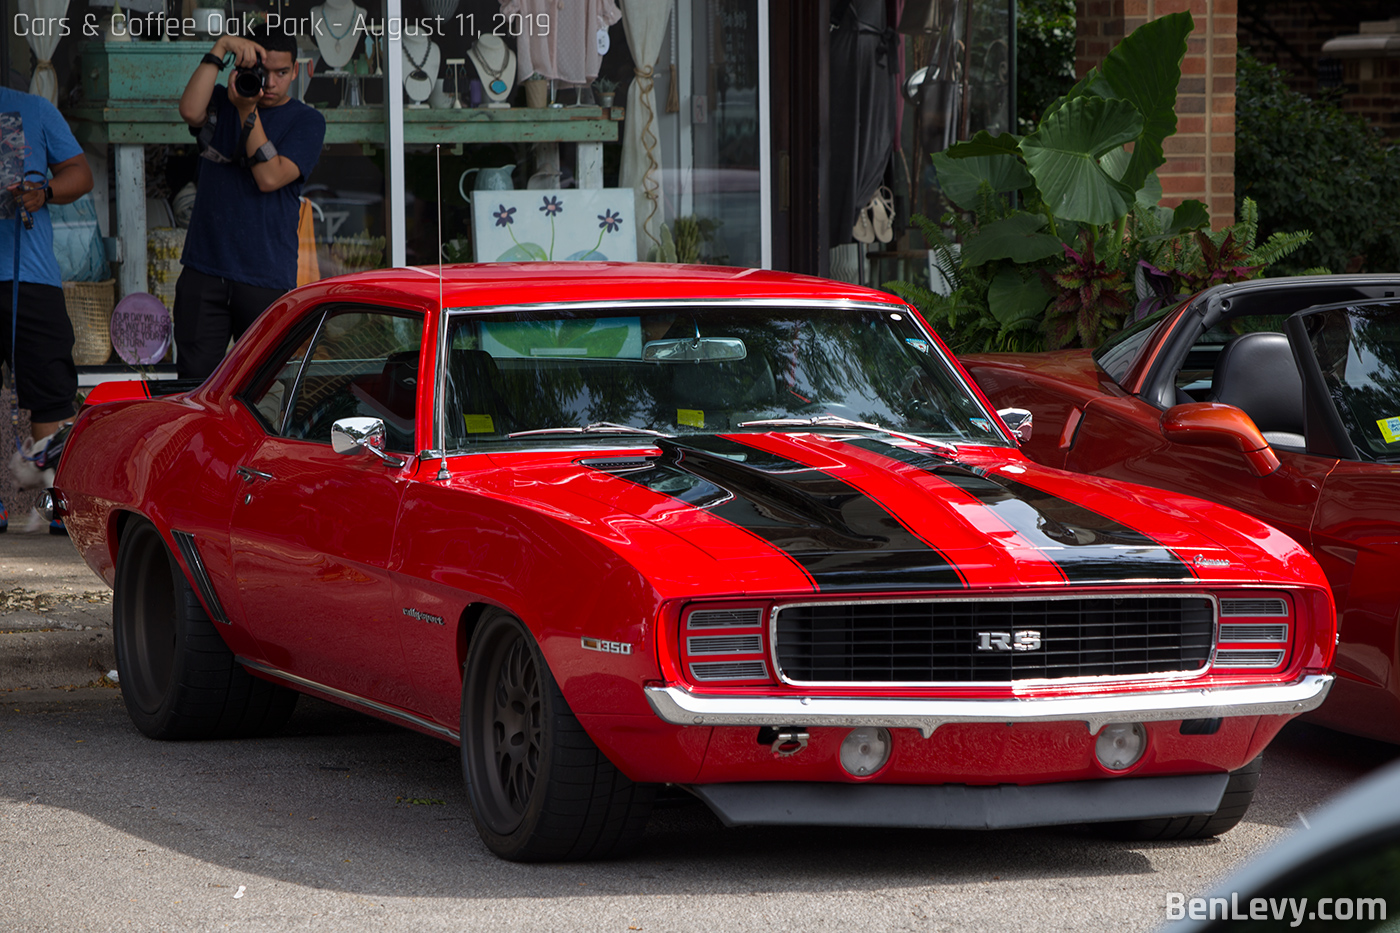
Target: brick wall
x,y
1201,156
1290,34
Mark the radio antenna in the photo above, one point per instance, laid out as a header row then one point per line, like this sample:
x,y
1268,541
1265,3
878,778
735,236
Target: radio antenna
x,y
437,152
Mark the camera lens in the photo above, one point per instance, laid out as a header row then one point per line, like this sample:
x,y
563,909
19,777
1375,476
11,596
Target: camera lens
x,y
248,81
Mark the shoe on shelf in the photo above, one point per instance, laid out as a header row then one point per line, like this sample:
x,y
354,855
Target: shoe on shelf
x,y
56,527
882,214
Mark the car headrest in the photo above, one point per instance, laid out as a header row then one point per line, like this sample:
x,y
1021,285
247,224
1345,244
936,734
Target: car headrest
x,y
1256,373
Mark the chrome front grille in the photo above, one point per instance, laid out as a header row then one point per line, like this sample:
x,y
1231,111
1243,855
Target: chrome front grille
x,y
992,640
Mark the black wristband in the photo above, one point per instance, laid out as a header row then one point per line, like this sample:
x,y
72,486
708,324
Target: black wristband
x,y
211,59
48,193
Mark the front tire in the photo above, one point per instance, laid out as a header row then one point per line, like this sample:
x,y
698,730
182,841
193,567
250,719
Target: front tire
x,y
1239,792
178,678
540,790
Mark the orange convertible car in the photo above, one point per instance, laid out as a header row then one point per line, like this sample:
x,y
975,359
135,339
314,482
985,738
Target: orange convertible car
x,y
1279,397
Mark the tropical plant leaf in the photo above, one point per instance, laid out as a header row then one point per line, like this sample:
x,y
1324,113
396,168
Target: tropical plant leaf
x,y
1189,215
1145,69
1013,300
985,144
961,179
1150,193
1016,238
1063,155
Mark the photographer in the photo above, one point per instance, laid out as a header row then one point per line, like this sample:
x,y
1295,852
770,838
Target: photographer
x,y
257,146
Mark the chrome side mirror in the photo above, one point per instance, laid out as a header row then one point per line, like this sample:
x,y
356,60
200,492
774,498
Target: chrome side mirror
x,y
1017,421
351,434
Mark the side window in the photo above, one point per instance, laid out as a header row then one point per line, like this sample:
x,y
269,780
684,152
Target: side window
x,y
363,364
271,388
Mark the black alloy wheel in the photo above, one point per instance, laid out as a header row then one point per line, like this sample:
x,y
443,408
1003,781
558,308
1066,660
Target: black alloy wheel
x,y
540,790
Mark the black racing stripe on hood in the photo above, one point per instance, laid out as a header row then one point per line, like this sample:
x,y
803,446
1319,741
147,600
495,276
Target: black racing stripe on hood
x,y
1086,546
841,537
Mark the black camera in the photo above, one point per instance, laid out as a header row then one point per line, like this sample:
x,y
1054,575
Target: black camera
x,y
249,82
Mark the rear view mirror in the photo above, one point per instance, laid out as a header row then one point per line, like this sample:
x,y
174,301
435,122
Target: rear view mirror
x,y
1210,424
695,350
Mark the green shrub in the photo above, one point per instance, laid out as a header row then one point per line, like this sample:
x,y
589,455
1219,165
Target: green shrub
x,y
1044,57
1308,165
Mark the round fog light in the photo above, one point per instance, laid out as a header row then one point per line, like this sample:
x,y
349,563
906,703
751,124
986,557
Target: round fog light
x,y
865,751
1120,745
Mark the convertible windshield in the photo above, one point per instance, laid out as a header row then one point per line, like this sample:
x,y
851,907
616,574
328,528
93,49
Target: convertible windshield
x,y
519,377
1358,349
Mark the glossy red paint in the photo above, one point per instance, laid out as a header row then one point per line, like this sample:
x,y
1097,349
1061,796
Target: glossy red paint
x,y
1341,511
362,582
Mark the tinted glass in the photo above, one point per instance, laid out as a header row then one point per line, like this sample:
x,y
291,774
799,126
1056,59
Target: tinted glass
x,y
532,370
1358,349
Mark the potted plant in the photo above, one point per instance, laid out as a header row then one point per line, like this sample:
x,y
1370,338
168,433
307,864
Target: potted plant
x,y
536,91
606,89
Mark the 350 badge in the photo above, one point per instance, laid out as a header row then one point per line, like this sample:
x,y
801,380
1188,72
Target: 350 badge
x,y
608,647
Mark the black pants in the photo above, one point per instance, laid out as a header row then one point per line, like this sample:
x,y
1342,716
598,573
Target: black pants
x,y
209,311
45,378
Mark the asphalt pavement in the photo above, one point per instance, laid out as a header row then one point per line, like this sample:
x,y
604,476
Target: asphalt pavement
x,y
55,614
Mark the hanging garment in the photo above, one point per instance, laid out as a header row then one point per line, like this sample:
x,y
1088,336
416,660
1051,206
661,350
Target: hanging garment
x,y
568,50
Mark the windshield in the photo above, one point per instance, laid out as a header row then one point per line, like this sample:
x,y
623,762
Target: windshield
x,y
696,370
1358,349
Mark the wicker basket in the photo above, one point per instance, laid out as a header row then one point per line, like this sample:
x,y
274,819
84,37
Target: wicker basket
x,y
90,310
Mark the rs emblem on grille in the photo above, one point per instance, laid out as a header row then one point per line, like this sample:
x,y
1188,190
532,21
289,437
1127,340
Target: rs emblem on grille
x,y
1024,640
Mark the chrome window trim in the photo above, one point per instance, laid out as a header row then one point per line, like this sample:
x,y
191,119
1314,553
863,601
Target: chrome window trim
x,y
445,316
679,706
1030,681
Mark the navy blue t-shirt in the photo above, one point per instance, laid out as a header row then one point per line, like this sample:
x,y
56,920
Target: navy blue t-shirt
x,y
236,231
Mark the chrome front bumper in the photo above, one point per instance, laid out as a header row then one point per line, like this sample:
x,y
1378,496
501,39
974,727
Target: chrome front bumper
x,y
681,707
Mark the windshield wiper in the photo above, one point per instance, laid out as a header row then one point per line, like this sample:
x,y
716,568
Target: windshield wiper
x,y
597,427
836,421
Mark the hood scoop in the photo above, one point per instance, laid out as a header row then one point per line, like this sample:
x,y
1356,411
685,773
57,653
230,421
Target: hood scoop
x,y
618,464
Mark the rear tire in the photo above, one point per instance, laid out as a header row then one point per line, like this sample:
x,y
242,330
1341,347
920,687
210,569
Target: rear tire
x,y
540,790
1239,791
178,678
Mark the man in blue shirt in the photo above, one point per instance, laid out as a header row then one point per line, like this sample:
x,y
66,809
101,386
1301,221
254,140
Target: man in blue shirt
x,y
41,164
256,152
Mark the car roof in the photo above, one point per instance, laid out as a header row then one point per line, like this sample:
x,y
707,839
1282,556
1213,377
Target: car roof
x,y
495,284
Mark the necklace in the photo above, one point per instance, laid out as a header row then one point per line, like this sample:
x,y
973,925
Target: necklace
x,y
418,74
330,27
497,85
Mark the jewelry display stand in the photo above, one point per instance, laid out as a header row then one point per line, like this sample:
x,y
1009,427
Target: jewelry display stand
x,y
421,62
333,26
495,66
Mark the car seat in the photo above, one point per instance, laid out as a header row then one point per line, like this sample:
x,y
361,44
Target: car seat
x,y
1257,374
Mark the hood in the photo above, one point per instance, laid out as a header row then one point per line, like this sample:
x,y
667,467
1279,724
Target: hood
x,y
862,513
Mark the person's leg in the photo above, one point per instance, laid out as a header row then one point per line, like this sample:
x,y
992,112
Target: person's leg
x,y
46,380
202,323
247,302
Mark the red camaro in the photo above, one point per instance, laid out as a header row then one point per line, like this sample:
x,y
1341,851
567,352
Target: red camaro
x,y
1279,397
609,527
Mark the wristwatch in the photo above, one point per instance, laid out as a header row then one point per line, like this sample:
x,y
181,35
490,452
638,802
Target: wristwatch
x,y
48,192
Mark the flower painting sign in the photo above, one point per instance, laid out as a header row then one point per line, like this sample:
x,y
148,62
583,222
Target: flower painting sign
x,y
543,225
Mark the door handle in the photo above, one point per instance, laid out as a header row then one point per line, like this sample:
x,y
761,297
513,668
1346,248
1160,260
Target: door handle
x,y
251,475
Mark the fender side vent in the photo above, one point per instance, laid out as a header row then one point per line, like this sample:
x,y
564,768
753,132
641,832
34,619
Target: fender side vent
x,y
190,552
